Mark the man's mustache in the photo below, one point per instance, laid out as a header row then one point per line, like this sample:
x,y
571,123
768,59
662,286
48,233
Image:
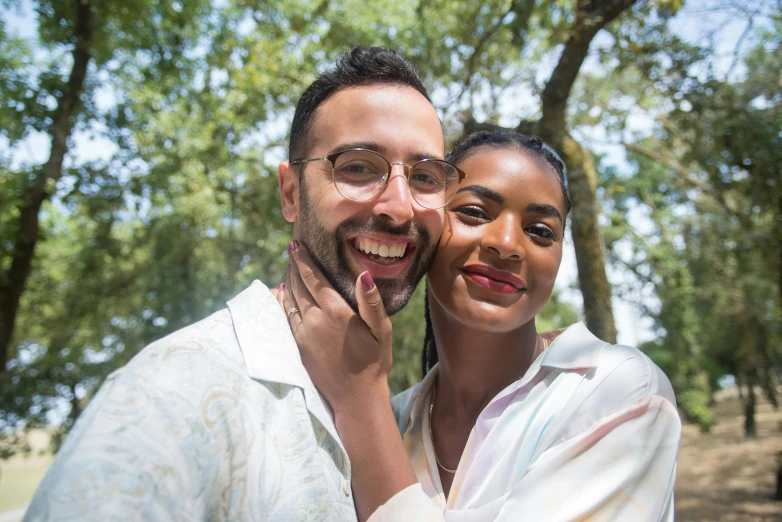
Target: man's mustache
x,y
414,233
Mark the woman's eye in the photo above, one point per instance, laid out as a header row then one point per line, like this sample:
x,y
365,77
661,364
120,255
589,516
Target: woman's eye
x,y
542,232
473,212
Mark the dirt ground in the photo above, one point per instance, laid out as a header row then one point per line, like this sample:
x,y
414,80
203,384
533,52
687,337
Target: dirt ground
x,y
723,477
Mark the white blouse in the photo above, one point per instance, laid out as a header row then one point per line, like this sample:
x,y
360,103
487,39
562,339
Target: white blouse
x,y
590,432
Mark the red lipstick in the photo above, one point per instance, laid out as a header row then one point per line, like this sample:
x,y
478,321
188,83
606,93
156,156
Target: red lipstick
x,y
494,280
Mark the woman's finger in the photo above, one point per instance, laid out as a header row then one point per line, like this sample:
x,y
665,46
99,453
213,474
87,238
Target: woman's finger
x,y
290,307
296,298
295,278
323,294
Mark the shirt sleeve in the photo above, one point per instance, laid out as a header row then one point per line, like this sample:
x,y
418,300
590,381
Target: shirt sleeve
x,y
134,454
622,468
409,504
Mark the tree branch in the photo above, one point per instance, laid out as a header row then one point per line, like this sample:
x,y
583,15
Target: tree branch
x,y
523,10
685,175
737,49
591,16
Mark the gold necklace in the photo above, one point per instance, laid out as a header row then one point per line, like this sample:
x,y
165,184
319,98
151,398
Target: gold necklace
x,y
431,433
431,436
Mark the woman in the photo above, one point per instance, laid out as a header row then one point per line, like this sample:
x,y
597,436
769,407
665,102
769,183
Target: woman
x,y
503,426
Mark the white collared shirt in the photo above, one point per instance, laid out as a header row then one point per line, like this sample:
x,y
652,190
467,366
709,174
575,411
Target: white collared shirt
x,y
218,421
590,432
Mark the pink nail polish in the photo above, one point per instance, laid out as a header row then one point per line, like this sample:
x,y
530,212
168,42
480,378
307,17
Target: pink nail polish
x,y
367,283
292,246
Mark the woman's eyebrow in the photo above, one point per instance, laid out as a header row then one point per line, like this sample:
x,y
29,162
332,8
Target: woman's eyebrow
x,y
537,208
545,209
482,191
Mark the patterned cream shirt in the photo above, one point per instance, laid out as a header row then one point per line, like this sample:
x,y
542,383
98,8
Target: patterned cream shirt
x,y
216,422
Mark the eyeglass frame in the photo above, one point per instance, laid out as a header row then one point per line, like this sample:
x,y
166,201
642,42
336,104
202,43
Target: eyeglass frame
x,y
332,158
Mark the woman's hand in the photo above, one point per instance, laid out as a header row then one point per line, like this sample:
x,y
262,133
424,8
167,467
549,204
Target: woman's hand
x,y
347,355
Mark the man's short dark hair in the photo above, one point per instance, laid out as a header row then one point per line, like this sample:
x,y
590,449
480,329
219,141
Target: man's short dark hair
x,y
358,67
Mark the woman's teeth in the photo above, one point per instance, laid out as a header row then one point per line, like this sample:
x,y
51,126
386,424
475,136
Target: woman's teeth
x,y
379,249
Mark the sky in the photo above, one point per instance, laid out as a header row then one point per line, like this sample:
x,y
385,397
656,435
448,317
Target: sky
x,y
696,23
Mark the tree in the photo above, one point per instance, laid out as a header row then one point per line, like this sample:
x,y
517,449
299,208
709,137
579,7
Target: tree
x,y
54,99
709,177
36,192
183,211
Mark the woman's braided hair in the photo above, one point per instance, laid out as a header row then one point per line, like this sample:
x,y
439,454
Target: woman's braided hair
x,y
464,149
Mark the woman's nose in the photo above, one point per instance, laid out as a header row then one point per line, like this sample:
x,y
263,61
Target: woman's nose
x,y
504,237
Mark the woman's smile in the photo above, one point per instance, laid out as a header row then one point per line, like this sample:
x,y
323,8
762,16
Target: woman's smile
x,y
499,281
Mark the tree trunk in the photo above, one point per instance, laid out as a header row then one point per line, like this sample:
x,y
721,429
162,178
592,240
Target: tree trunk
x,y
750,428
591,16
778,495
40,189
588,240
75,406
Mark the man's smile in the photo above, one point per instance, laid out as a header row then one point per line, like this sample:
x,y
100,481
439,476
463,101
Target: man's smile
x,y
384,256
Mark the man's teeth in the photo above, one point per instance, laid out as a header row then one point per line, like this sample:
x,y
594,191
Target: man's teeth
x,y
370,247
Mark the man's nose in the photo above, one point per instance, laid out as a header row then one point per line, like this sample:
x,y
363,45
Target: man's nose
x,y
395,201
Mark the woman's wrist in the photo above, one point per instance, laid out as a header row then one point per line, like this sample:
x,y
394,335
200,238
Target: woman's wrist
x,y
362,406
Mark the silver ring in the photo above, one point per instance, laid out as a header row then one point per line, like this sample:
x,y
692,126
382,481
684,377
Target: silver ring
x,y
291,310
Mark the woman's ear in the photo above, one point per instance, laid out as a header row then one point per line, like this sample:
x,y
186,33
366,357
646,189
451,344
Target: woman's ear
x,y
288,181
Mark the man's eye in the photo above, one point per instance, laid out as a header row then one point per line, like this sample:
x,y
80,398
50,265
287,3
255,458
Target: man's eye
x,y
424,180
357,168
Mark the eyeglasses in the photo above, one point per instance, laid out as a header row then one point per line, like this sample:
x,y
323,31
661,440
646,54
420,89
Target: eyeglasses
x,y
361,175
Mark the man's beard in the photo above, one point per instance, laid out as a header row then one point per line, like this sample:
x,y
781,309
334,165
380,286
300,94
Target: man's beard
x,y
329,252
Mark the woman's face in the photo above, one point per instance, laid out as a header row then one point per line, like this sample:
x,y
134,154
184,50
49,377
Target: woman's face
x,y
502,242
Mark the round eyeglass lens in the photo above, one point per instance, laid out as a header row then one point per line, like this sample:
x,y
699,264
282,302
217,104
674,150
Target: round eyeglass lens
x,y
433,183
360,174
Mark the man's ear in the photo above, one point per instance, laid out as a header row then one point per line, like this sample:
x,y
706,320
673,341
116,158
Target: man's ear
x,y
288,181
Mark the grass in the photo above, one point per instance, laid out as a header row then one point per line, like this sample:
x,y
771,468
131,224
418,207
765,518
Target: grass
x,y
20,475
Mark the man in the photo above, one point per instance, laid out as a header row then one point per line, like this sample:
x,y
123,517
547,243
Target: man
x,y
220,421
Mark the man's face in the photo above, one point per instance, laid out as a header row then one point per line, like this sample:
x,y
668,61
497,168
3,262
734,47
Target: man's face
x,y
402,125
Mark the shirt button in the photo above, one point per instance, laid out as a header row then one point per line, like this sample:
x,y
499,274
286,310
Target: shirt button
x,y
346,487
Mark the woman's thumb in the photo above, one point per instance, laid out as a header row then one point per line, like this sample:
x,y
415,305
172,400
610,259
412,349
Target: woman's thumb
x,y
370,306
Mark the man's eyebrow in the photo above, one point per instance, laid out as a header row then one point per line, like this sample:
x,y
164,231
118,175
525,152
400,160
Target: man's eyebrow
x,y
369,145
545,209
381,149
420,156
484,192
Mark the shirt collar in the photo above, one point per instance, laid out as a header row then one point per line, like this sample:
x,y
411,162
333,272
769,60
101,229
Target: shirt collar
x,y
270,351
267,344
574,349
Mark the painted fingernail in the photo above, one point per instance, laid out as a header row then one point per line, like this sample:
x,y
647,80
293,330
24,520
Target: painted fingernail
x,y
281,287
367,283
292,246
